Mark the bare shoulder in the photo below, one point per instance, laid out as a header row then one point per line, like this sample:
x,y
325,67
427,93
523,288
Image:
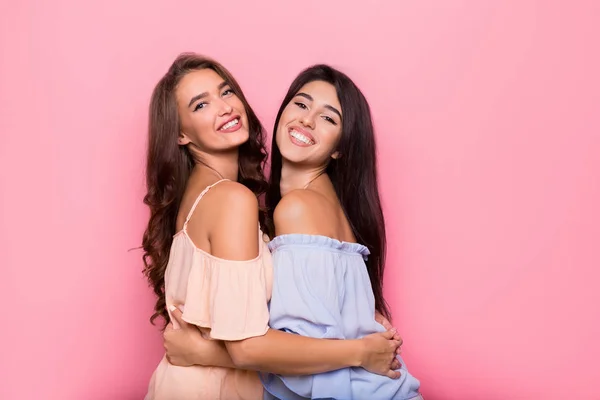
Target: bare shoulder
x,y
225,203
231,194
227,222
293,204
299,212
230,201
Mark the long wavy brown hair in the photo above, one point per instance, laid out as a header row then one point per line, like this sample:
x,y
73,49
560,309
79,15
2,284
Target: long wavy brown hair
x,y
169,165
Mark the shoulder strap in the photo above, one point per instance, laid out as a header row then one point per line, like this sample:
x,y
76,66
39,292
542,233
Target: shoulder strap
x,y
198,200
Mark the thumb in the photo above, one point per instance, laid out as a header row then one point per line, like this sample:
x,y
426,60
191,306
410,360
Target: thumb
x,y
389,334
177,316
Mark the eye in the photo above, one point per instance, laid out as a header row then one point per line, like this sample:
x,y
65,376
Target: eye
x,y
200,105
301,105
228,92
329,119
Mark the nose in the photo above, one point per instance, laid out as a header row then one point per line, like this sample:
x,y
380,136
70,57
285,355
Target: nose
x,y
225,108
308,120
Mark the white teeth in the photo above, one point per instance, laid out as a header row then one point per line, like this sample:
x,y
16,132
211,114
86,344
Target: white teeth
x,y
301,137
230,124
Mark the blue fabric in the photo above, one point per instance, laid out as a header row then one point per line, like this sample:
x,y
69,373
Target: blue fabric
x,y
321,289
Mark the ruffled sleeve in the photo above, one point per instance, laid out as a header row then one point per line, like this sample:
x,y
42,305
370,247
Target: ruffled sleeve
x,y
229,297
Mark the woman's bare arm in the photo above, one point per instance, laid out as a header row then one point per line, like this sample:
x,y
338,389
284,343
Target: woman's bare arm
x,y
277,351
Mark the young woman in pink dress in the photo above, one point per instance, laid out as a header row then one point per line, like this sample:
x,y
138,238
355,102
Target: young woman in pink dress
x,y
205,250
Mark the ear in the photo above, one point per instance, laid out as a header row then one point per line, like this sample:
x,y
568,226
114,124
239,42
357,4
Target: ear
x,y
336,155
183,139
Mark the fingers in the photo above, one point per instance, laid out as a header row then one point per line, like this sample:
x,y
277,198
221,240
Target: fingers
x,y
383,320
386,324
393,374
168,329
389,334
176,314
395,364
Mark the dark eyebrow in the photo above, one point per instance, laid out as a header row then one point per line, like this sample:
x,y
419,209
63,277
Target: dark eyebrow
x,y
306,96
197,97
201,95
309,97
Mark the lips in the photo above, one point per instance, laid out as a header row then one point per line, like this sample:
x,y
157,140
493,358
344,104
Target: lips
x,y
231,124
301,137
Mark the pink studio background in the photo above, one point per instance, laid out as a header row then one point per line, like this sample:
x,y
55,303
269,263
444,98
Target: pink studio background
x,y
489,139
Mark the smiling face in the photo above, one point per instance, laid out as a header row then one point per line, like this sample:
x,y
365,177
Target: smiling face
x,y
310,126
213,117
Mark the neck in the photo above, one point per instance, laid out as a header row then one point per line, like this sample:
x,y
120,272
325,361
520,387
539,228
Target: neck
x,y
294,176
223,165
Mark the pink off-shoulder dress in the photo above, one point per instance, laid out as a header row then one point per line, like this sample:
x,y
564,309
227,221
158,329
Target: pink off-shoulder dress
x,y
228,297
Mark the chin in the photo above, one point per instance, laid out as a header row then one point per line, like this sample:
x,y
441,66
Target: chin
x,y
293,155
239,137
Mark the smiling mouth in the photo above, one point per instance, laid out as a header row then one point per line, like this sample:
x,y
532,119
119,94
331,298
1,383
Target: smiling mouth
x,y
301,137
231,124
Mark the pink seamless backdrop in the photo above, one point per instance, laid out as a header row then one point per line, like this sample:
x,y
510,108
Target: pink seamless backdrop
x,y
487,118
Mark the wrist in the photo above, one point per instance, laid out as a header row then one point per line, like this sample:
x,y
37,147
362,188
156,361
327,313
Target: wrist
x,y
357,354
197,352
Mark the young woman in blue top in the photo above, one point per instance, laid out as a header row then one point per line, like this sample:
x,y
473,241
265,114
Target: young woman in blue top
x,y
329,245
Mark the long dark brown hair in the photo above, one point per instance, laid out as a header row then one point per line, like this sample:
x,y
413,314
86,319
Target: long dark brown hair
x,y
353,174
169,165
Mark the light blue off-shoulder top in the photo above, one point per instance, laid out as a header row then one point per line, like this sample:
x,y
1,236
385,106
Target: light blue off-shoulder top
x,y
321,289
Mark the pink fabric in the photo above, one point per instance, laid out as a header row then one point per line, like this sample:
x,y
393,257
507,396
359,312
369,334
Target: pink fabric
x,y
229,298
